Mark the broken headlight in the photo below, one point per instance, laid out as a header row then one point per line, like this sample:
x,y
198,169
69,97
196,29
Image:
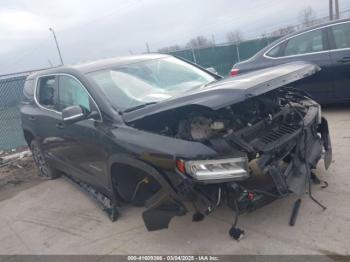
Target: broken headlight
x,y
218,169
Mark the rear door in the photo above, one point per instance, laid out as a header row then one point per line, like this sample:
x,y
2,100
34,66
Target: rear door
x,y
311,46
339,36
45,116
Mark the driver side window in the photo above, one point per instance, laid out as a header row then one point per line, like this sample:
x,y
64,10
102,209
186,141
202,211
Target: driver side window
x,y
71,93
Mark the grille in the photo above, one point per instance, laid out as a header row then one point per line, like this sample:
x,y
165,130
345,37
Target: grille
x,y
276,134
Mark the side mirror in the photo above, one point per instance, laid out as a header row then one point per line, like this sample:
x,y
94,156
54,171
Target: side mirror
x,y
212,70
73,114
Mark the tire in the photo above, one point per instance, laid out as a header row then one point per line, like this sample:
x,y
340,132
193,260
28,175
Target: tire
x,y
42,165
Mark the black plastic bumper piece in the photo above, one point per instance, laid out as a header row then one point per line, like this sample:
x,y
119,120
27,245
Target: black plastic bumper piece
x,y
161,208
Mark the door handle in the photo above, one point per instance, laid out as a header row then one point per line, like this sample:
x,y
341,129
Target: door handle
x,y
31,118
344,60
60,125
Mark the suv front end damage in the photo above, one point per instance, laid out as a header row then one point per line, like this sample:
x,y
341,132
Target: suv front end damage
x,y
265,147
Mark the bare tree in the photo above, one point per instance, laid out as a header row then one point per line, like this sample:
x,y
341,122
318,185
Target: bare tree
x,y
283,31
264,35
235,37
168,49
199,41
307,16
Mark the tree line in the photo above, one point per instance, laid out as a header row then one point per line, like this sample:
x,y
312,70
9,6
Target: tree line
x,y
306,18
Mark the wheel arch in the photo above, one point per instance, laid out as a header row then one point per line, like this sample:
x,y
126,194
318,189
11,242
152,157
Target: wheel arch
x,y
28,136
123,160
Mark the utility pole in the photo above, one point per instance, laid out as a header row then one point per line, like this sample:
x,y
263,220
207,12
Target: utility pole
x,y
337,16
58,48
147,48
330,9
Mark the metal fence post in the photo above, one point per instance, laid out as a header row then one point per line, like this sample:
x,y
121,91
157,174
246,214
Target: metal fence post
x,y
237,50
193,56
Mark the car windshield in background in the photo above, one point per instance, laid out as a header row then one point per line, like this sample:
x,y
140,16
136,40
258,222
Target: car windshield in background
x,y
133,85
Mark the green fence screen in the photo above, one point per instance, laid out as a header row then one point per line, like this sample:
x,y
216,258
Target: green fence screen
x,y
223,57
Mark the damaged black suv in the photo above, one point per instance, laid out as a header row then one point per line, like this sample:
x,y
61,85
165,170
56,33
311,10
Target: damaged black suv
x,y
160,132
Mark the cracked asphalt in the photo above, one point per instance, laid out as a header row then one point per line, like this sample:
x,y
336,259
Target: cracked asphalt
x,y
54,217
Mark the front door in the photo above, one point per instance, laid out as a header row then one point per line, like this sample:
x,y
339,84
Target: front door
x,y
80,148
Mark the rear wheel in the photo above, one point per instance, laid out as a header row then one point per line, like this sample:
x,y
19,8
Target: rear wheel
x,y
44,168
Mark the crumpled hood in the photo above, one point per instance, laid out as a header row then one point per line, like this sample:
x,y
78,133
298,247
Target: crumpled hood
x,y
233,90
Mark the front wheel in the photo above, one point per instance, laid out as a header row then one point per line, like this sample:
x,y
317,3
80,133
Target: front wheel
x,y
44,168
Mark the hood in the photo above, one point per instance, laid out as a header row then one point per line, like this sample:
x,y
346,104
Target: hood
x,y
233,90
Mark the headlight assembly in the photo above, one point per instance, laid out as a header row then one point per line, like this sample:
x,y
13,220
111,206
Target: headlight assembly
x,y
217,169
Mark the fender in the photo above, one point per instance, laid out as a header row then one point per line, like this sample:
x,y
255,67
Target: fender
x,y
139,164
160,208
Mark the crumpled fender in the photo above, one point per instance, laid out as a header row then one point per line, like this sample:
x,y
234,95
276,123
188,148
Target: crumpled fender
x,y
161,207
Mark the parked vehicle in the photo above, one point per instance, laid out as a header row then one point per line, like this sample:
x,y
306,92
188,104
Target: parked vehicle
x,y
157,131
327,45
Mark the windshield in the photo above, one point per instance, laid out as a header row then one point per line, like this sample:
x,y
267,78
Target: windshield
x,y
152,81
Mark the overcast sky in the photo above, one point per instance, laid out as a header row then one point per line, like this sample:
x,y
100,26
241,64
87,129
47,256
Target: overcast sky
x,y
93,29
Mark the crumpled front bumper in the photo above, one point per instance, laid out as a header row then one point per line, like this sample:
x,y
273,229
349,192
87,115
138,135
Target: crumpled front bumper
x,y
310,149
312,143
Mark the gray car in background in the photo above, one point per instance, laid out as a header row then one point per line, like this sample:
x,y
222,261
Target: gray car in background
x,y
327,45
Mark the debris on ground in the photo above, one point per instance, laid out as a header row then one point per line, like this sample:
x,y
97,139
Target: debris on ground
x,y
17,172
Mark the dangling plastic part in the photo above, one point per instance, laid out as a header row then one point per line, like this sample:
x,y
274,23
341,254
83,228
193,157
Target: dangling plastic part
x,y
310,188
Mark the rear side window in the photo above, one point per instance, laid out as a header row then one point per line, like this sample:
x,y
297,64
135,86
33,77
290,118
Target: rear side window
x,y
341,35
305,43
72,93
47,94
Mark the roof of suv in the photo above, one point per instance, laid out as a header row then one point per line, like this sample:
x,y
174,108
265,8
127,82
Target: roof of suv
x,y
115,61
101,64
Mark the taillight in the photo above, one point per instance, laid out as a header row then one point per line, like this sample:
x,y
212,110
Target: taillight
x,y
180,164
234,72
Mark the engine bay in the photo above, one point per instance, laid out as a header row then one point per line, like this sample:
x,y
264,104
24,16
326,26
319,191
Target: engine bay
x,y
258,119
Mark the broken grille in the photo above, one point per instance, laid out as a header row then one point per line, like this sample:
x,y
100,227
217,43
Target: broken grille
x,y
276,134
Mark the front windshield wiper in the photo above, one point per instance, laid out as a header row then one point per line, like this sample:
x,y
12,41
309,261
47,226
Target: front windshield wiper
x,y
138,107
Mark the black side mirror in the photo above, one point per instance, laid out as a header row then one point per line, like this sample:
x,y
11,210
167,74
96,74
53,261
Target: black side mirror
x,y
73,114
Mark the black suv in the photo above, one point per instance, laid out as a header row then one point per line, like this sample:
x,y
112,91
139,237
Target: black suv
x,y
158,131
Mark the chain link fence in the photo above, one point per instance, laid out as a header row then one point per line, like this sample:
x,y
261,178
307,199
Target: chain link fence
x,y
223,57
11,135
